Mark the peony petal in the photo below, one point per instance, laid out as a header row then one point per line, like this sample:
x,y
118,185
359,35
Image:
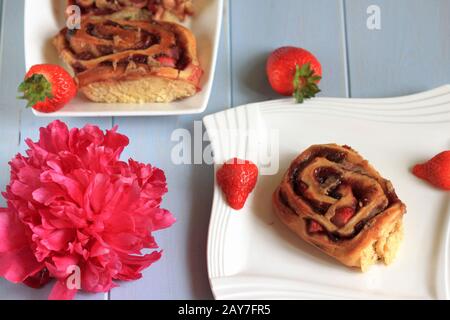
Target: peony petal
x,y
120,221
124,242
99,250
12,231
68,162
97,191
54,138
17,260
162,219
116,141
93,134
29,176
96,279
61,267
21,190
71,186
133,265
17,265
46,195
76,216
58,240
61,292
37,155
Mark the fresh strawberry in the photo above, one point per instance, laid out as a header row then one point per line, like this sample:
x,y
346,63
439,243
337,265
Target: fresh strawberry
x,y
294,71
436,171
342,216
314,227
167,61
48,88
237,178
38,280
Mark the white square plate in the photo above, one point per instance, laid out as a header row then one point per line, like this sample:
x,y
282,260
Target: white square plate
x,y
252,255
44,18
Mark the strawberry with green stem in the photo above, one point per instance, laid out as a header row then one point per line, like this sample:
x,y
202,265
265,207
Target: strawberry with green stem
x,y
294,72
47,88
305,83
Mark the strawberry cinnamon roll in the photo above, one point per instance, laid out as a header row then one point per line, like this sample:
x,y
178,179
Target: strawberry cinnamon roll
x,y
161,10
335,200
131,61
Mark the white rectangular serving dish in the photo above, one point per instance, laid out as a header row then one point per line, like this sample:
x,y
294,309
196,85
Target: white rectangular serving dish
x,y
252,255
43,20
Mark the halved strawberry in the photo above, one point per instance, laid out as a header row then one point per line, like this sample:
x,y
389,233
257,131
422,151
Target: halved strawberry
x,y
237,178
314,227
436,171
167,61
342,216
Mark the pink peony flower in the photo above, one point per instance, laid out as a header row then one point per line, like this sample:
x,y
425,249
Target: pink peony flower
x,y
73,203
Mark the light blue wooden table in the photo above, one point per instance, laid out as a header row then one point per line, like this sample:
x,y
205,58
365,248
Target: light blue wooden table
x,y
410,53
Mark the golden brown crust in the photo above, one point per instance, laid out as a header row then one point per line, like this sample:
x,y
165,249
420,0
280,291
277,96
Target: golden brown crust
x,y
160,10
323,180
106,50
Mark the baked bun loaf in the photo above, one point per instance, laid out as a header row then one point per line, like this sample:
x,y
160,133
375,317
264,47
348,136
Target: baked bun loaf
x,y
131,61
161,10
335,200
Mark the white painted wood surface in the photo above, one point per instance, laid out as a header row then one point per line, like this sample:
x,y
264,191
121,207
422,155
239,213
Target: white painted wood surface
x,y
410,53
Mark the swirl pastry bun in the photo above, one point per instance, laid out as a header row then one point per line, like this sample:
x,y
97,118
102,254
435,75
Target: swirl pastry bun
x,y
161,10
131,61
335,200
